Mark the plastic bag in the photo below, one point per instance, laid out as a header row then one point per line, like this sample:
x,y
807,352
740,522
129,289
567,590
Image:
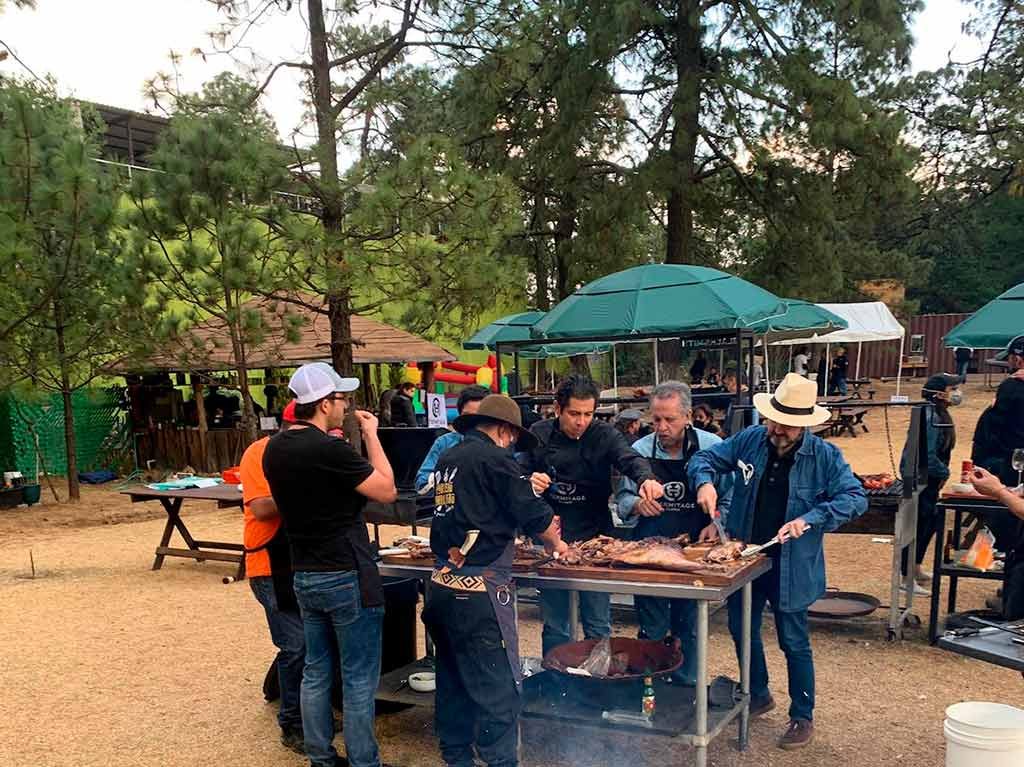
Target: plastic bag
x,y
600,659
981,555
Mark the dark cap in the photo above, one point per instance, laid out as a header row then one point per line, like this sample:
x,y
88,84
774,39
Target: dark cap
x,y
497,408
939,382
1016,346
632,414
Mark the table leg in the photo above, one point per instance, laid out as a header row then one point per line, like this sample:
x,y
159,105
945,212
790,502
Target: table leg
x,y
957,543
172,506
574,616
933,613
744,736
701,723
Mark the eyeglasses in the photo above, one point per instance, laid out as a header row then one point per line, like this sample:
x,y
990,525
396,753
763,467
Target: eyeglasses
x,y
338,398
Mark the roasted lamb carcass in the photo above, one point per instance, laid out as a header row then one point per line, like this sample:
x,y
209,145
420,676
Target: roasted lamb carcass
x,y
525,550
415,546
724,553
656,552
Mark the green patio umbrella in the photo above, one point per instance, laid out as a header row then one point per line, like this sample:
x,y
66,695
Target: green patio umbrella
x,y
659,298
994,325
512,327
799,318
516,327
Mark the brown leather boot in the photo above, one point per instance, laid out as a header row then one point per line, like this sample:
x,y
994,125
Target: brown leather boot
x,y
798,734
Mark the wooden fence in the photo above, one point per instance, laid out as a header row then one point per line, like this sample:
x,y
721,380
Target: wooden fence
x,y
175,447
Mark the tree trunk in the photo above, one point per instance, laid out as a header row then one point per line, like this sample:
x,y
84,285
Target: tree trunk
x,y
69,412
542,276
339,300
685,127
197,395
241,369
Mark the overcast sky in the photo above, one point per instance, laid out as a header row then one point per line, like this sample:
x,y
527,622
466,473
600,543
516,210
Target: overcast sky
x,y
104,50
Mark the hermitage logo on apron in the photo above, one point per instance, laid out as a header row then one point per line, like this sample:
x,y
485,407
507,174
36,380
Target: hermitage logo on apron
x,y
674,491
566,492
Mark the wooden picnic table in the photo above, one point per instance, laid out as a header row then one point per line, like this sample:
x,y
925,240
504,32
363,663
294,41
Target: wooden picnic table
x,y
846,418
225,495
857,383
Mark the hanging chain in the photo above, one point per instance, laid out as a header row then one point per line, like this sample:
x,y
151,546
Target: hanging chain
x,y
888,438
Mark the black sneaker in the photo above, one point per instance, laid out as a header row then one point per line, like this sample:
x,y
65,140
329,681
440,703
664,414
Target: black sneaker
x,y
292,738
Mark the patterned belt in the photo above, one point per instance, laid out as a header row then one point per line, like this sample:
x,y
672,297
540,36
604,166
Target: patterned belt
x,y
474,583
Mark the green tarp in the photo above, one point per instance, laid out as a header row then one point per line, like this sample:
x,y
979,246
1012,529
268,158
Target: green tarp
x,y
994,325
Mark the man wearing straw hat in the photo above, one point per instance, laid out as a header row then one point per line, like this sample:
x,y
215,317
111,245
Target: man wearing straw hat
x,y
482,499
790,485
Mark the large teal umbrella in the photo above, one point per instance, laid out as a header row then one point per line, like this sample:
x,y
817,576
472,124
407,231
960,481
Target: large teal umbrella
x,y
994,325
512,327
659,298
516,327
799,318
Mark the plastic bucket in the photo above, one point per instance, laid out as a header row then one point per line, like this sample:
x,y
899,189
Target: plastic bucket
x,y
984,735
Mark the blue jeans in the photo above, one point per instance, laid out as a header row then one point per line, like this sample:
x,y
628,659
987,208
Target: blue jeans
x,y
794,640
288,635
332,609
837,385
961,370
660,618
595,615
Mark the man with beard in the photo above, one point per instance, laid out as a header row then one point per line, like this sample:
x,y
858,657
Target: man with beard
x,y
320,485
571,466
669,450
794,485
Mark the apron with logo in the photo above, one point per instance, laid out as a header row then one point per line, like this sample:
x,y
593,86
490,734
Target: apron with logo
x,y
680,512
496,580
580,503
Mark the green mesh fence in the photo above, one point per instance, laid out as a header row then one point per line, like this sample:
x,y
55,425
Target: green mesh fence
x,y
102,437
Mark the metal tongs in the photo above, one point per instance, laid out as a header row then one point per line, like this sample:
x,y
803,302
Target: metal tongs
x,y
752,550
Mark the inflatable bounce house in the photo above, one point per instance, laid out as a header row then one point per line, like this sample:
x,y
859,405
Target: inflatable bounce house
x,y
460,373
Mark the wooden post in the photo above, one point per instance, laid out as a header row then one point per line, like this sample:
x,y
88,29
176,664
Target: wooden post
x,y
368,393
197,393
427,368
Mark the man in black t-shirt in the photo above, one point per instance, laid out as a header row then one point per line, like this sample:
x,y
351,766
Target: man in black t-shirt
x,y
320,484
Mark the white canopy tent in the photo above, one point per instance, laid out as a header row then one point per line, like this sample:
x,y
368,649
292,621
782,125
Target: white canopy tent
x,y
866,322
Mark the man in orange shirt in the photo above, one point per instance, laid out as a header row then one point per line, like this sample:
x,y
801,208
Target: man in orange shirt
x,y
268,566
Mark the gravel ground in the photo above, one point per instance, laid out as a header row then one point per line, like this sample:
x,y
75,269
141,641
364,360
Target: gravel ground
x,y
108,664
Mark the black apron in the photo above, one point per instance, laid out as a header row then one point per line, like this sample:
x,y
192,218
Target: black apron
x,y
680,514
581,504
280,554
501,591
371,587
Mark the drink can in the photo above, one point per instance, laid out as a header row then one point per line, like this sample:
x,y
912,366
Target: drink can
x,y
966,470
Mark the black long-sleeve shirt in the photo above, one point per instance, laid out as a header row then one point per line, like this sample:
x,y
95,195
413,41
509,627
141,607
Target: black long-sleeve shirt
x,y
479,486
581,472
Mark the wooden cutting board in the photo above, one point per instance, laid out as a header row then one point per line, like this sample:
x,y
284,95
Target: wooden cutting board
x,y
692,578
518,566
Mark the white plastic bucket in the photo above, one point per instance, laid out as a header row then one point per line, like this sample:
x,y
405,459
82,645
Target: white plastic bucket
x,y
984,735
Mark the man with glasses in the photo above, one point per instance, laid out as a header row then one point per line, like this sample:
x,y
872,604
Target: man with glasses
x,y
320,485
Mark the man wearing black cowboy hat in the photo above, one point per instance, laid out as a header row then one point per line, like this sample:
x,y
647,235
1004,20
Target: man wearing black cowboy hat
x,y
482,499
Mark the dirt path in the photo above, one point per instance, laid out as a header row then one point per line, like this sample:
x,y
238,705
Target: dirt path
x,y
108,664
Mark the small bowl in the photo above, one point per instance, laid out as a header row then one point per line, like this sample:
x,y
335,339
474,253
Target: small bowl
x,y
422,681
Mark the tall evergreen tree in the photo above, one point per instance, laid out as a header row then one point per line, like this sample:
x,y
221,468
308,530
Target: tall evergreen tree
x,y
68,309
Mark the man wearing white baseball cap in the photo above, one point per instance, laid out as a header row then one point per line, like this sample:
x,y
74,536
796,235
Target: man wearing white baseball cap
x,y
792,486
320,485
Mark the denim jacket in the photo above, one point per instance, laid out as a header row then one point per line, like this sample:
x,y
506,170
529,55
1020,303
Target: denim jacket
x,y
441,444
822,491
